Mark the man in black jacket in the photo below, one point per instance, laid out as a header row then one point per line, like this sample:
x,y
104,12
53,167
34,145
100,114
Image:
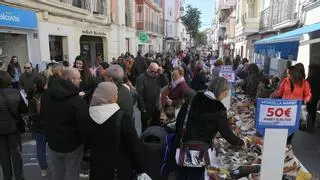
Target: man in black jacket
x,y
148,86
65,114
115,74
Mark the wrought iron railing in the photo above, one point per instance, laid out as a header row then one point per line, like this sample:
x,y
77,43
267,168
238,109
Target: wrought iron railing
x,y
265,21
282,11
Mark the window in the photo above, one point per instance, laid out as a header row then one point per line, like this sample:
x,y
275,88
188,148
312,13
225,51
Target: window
x,y
139,15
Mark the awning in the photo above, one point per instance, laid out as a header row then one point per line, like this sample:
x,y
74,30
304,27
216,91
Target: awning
x,y
286,45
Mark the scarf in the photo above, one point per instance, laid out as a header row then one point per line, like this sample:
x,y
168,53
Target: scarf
x,y
176,82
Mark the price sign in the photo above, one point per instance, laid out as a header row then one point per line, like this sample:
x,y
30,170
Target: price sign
x,y
226,68
229,75
278,113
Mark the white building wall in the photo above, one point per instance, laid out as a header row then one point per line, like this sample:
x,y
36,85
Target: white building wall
x,y
46,29
170,19
311,17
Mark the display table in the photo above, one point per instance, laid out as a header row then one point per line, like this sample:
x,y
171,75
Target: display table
x,y
230,162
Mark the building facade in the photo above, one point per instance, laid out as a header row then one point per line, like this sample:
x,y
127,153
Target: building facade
x,y
224,27
149,21
68,28
247,27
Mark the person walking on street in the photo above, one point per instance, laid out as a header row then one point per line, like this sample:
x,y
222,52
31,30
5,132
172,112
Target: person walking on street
x,y
65,115
27,78
11,126
37,128
313,79
149,86
14,70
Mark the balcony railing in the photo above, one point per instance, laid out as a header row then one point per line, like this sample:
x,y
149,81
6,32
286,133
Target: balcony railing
x,y
265,21
282,11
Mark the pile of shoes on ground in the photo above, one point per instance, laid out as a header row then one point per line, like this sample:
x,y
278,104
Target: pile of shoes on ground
x,y
229,162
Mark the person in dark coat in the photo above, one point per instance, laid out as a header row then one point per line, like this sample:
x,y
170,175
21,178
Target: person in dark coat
x,y
313,79
11,126
199,79
120,153
14,70
101,71
207,116
115,74
27,78
148,86
37,128
87,83
139,67
65,115
251,84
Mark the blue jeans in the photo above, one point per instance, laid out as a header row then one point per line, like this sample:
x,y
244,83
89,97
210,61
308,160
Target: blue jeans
x,y
41,149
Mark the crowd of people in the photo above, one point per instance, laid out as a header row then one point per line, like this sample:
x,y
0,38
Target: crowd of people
x,y
86,114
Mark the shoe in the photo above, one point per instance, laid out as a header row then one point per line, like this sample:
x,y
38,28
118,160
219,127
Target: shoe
x,y
44,172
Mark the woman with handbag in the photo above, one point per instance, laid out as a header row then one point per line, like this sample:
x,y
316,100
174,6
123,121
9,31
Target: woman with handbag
x,y
11,126
294,86
207,116
116,151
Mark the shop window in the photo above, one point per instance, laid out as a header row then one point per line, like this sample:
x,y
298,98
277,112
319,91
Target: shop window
x,y
55,47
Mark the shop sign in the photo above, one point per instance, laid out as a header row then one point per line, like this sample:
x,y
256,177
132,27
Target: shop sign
x,y
229,75
143,37
17,18
278,113
275,120
92,32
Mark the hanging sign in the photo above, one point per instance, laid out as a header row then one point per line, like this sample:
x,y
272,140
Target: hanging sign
x,y
143,37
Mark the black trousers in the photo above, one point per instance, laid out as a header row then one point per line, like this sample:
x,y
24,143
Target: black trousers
x,y
10,156
312,112
150,119
188,173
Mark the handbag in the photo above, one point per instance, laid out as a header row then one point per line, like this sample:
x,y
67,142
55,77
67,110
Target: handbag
x,y
21,123
192,153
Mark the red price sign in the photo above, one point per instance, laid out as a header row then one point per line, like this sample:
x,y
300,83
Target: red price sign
x,y
278,112
229,75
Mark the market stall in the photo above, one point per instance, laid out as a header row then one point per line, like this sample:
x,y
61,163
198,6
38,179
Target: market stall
x,y
228,162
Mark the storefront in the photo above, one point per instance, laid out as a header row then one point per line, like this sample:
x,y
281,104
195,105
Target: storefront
x,y
288,46
91,45
18,35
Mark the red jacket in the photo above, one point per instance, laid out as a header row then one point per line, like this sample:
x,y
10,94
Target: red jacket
x,y
299,92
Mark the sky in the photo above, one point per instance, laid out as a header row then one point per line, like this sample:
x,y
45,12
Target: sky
x,y
206,8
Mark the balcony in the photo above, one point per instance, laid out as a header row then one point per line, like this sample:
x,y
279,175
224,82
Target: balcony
x,y
265,21
247,24
283,11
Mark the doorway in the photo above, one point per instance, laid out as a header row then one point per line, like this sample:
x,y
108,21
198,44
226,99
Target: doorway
x,y
90,48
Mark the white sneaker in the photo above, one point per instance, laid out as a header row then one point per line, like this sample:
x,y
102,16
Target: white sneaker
x,y
44,172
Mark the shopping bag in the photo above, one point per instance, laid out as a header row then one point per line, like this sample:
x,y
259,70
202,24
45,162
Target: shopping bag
x,y
304,114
